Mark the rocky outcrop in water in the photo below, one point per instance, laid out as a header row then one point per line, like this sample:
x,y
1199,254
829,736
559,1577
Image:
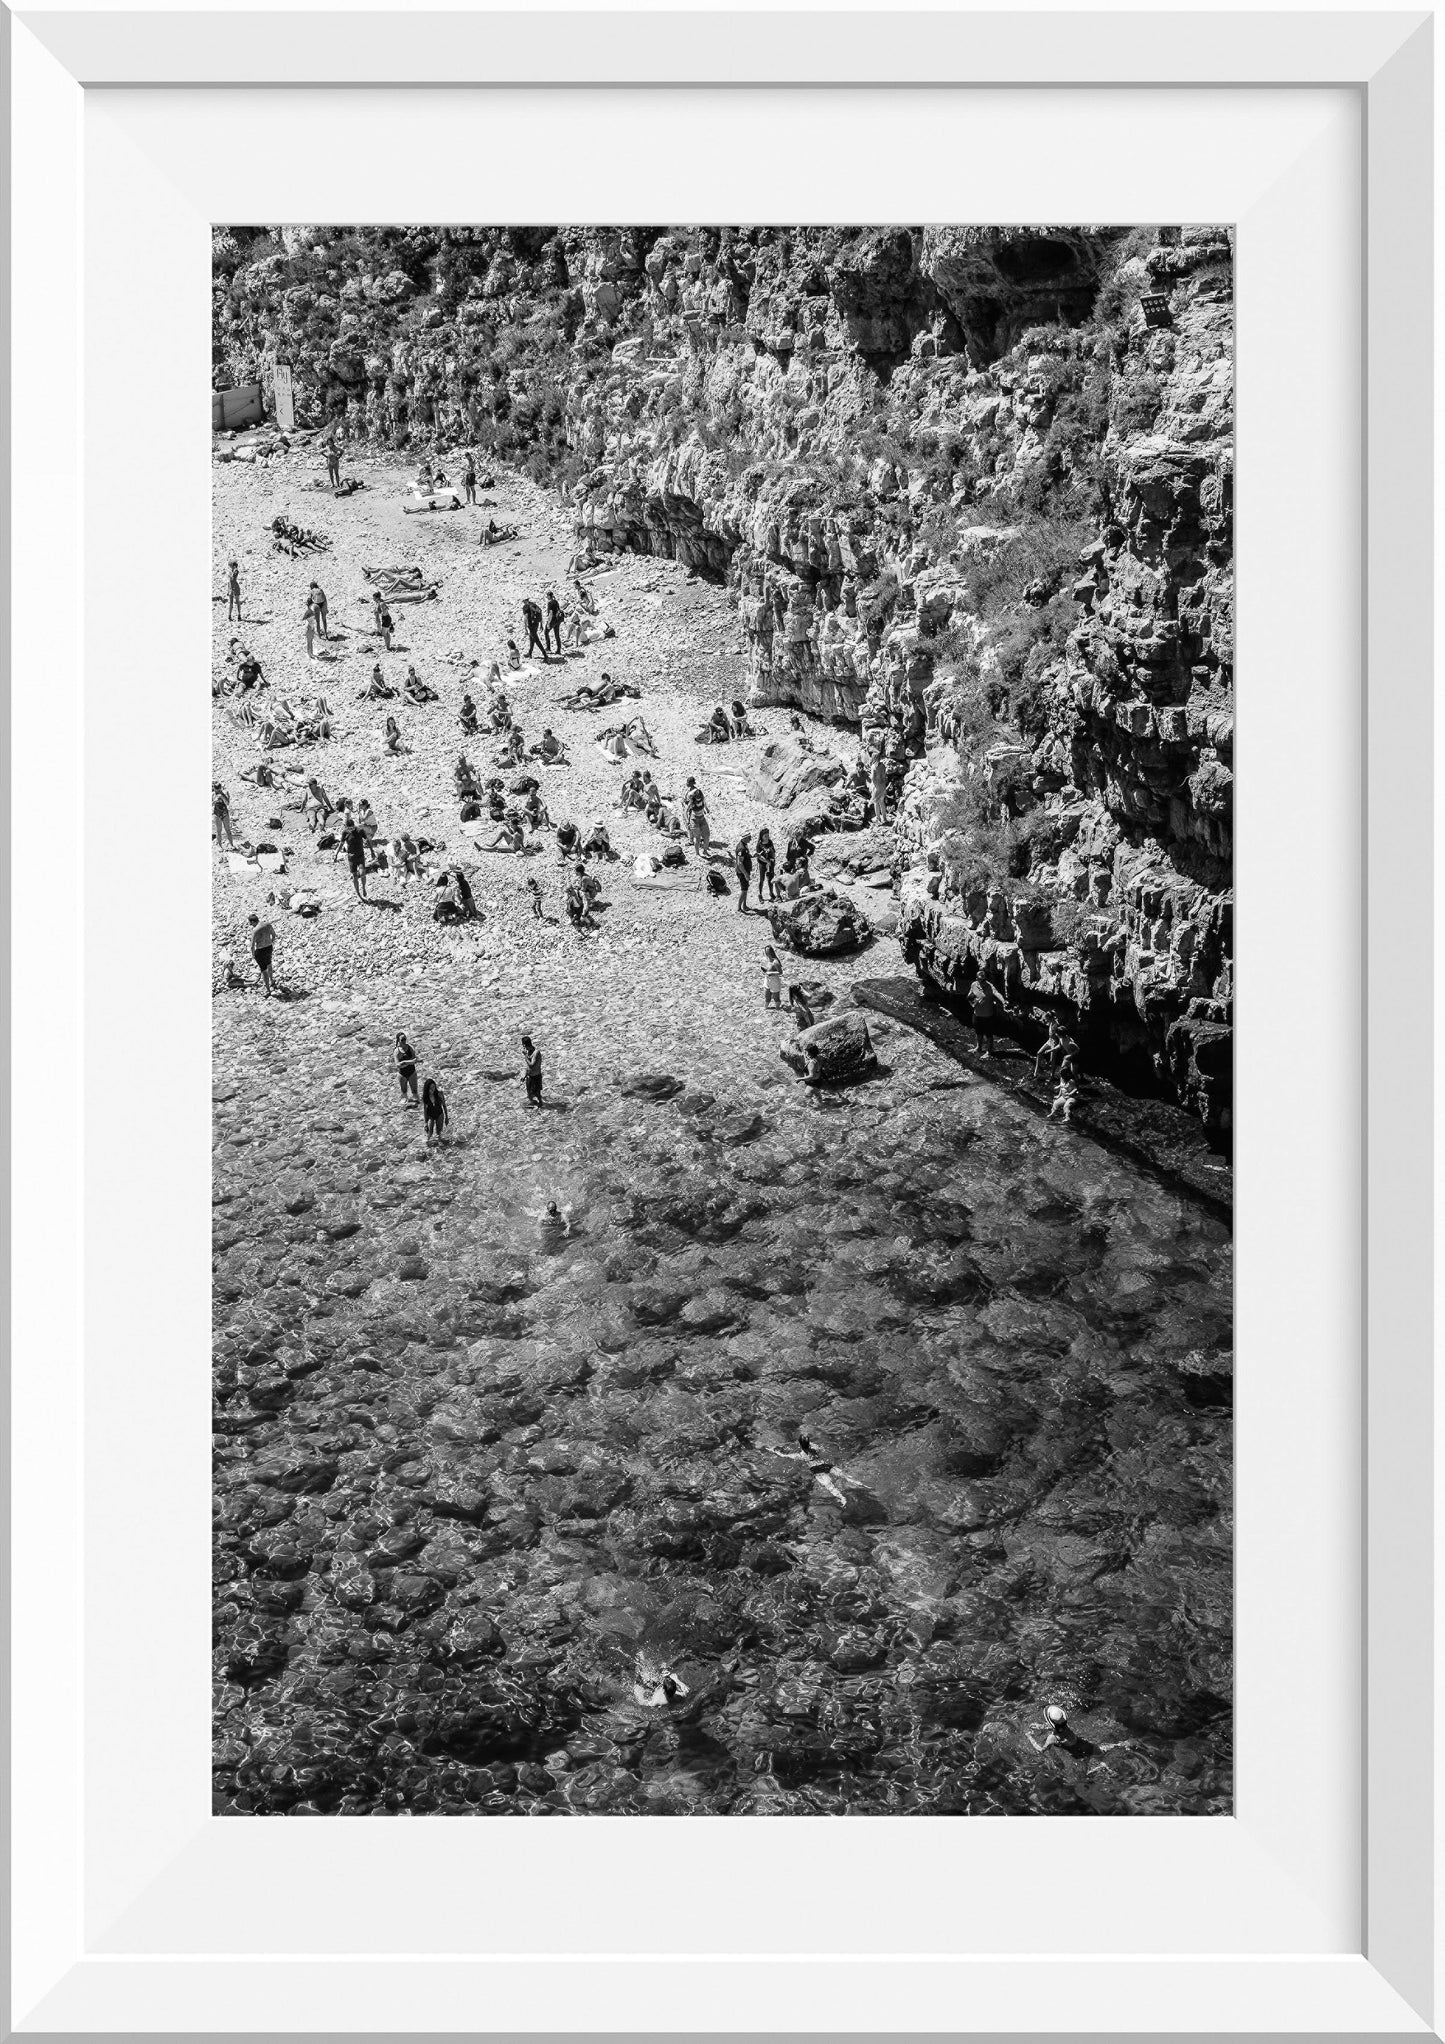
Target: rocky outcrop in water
x,y
971,488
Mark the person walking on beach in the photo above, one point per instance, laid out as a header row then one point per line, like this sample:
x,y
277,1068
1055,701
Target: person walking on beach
x,y
743,867
263,943
532,619
405,1058
233,592
353,843
532,1072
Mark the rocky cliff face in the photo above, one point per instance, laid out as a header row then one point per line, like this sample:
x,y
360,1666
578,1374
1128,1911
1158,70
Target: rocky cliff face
x,y
973,490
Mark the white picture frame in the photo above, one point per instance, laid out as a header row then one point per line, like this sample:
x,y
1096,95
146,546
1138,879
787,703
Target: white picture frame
x,y
123,1916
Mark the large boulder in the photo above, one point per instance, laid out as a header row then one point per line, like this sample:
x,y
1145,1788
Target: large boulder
x,y
820,924
793,766
832,1052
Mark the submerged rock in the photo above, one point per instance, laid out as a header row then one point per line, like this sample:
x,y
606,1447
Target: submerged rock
x,y
820,925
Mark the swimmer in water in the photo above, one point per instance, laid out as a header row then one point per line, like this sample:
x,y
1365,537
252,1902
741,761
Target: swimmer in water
x,y
824,1474
654,1680
555,1221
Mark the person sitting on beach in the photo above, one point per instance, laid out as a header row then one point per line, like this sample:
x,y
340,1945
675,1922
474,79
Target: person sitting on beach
x,y
465,775
496,799
499,712
417,690
448,907
715,731
378,689
579,909
248,670
506,838
598,845
391,736
653,809
405,857
740,726
550,748
631,796
534,810
468,717
568,838
315,803
803,1016
585,599
514,750
366,819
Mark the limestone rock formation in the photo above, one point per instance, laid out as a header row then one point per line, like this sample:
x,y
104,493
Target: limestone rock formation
x,y
820,924
972,490
834,1052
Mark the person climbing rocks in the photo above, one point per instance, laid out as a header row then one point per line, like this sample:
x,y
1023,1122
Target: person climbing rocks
x,y
405,1059
532,1072
1052,1050
233,592
532,619
553,631
434,1110
1062,1104
772,970
802,1013
263,943
743,867
766,856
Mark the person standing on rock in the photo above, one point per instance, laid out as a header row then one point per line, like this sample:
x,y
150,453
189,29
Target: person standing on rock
x,y
532,619
263,943
743,867
233,592
405,1058
532,1072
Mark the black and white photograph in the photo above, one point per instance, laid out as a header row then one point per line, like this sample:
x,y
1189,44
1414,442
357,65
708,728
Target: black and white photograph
x,y
722,1006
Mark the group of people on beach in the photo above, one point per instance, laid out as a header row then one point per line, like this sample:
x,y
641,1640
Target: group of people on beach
x,y
498,822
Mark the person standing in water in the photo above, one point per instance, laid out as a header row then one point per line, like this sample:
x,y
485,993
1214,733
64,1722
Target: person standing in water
x,y
532,1072
405,1058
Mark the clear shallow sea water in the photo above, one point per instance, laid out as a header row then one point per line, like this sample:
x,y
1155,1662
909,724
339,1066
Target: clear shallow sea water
x,y
480,1478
